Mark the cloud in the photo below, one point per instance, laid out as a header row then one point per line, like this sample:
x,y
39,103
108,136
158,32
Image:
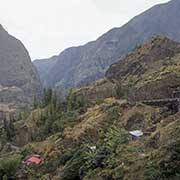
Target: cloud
x,y
46,27
128,7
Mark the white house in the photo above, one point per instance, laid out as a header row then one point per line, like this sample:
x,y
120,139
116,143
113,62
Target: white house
x,y
136,134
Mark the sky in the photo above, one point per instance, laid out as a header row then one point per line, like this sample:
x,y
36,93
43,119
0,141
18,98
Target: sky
x,y
47,27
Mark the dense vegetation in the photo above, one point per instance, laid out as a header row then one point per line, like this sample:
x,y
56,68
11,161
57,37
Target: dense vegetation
x,y
113,151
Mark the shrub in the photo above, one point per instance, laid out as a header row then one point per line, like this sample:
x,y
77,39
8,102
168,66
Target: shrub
x,y
72,167
169,166
115,137
26,151
76,101
9,165
93,160
52,164
118,173
152,172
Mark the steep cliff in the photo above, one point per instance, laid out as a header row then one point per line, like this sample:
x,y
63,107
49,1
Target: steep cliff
x,y
19,80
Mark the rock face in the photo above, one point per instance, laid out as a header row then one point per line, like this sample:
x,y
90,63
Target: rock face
x,y
19,81
79,66
151,71
44,66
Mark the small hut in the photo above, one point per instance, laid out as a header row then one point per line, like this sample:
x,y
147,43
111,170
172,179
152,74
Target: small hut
x,y
34,159
135,135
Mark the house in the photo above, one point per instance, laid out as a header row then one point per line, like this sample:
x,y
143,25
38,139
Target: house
x,y
92,148
135,135
34,159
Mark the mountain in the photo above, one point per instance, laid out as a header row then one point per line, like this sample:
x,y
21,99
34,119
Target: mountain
x,y
19,80
151,71
43,66
98,132
79,66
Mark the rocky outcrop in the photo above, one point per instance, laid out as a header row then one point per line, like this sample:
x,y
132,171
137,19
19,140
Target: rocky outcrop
x,y
151,71
78,66
19,81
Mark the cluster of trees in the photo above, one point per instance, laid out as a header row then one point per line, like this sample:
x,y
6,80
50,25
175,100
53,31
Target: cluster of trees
x,y
75,101
49,98
84,163
52,114
8,129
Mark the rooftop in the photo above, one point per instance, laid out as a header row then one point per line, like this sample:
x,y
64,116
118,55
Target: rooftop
x,y
136,133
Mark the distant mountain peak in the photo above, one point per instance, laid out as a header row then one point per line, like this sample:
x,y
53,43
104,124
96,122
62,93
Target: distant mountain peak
x,y
82,65
2,29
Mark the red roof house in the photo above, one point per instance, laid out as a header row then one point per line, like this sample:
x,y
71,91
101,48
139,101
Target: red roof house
x,y
35,159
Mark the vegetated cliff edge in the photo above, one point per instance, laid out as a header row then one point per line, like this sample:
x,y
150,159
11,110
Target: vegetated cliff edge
x,y
151,71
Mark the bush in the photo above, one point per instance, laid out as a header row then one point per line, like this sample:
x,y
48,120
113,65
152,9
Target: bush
x,y
118,173
55,122
52,164
122,92
93,160
152,172
9,165
26,151
115,137
73,166
169,166
76,101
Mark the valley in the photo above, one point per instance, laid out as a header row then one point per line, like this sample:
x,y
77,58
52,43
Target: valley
x,y
87,136
107,110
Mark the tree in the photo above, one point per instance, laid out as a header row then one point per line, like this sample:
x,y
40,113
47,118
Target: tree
x,y
76,101
35,103
8,166
48,93
9,128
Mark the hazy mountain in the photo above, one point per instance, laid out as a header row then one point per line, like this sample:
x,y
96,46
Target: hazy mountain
x,y
78,66
43,66
19,81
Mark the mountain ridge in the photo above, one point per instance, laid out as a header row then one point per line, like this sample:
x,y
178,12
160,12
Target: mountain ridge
x,y
79,66
151,71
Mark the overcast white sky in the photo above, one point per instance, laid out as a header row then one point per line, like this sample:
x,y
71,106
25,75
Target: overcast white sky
x,y
46,27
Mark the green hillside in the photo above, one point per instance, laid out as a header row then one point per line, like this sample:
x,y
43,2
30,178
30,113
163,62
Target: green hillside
x,y
88,135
